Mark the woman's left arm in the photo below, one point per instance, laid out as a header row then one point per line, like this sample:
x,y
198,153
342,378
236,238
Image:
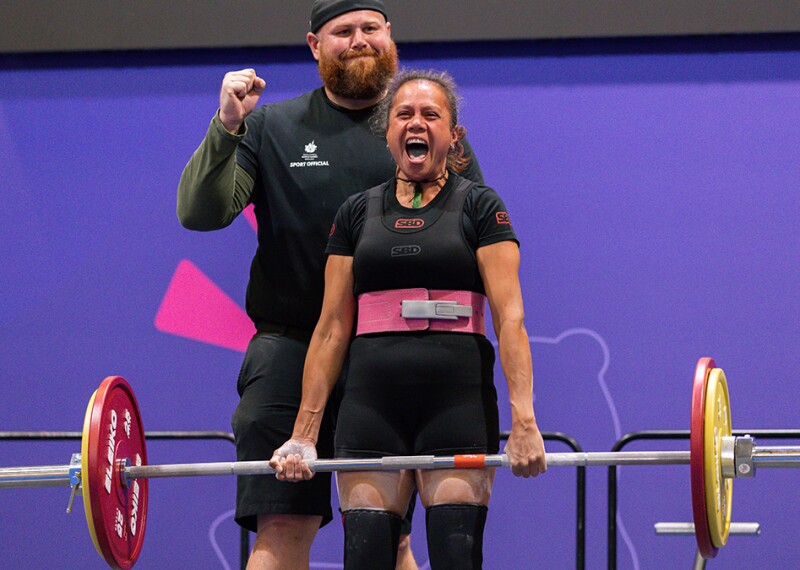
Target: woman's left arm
x,y
499,267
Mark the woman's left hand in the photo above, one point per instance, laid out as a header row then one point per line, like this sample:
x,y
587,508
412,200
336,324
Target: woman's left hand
x,y
525,450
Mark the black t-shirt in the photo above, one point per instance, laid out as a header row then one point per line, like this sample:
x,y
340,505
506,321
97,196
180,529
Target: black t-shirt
x,y
307,156
419,247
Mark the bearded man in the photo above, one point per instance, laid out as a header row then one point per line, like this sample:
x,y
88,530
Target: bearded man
x,y
296,161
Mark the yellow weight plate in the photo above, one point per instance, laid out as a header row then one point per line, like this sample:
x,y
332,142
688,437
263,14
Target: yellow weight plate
x,y
85,478
718,490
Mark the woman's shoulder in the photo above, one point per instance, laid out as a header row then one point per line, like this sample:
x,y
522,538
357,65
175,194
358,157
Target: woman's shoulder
x,y
476,192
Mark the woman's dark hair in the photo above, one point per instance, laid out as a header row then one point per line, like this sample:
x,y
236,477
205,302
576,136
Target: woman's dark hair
x,y
379,121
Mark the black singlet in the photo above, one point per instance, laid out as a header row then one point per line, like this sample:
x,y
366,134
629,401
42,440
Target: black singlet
x,y
422,392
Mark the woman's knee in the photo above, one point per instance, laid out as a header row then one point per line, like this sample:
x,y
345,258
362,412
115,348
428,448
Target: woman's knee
x,y
455,486
298,530
369,490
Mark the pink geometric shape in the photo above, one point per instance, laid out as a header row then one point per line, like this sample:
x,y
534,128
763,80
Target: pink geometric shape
x,y
250,215
195,307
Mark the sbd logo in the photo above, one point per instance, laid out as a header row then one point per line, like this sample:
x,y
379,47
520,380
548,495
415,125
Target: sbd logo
x,y
401,250
409,223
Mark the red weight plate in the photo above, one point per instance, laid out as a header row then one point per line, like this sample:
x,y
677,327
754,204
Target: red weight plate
x,y
116,513
696,441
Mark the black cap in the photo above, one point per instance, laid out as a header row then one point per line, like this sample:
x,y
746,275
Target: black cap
x,y
326,10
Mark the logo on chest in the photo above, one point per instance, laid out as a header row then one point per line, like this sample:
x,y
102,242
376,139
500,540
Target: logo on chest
x,y
405,250
409,223
309,157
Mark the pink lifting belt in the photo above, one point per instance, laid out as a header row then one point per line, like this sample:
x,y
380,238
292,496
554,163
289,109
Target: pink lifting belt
x,y
400,310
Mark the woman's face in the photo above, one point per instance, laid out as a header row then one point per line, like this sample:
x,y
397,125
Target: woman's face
x,y
419,133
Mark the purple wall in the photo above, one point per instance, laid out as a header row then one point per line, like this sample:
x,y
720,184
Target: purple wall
x,y
654,187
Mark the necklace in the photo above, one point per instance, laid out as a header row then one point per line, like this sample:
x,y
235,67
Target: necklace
x,y
416,199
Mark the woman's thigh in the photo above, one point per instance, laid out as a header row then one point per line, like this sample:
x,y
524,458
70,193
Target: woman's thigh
x,y
387,491
444,486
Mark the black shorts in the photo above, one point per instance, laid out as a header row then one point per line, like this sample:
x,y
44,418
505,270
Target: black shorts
x,y
270,388
419,393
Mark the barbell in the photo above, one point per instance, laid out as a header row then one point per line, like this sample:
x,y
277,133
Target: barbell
x,y
112,472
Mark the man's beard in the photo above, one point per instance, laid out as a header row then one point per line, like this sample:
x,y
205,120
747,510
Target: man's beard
x,y
359,76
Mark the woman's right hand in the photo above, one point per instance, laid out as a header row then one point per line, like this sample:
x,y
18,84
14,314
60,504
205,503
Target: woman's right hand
x,y
290,460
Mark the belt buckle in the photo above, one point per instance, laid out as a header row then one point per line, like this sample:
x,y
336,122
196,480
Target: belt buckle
x,y
446,310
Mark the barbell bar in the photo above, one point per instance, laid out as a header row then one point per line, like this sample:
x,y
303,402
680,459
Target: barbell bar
x,y
112,470
53,476
60,475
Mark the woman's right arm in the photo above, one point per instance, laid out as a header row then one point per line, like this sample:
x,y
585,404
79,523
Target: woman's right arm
x,y
324,361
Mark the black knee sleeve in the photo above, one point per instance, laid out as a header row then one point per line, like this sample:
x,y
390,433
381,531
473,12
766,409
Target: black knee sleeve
x,y
370,539
455,535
